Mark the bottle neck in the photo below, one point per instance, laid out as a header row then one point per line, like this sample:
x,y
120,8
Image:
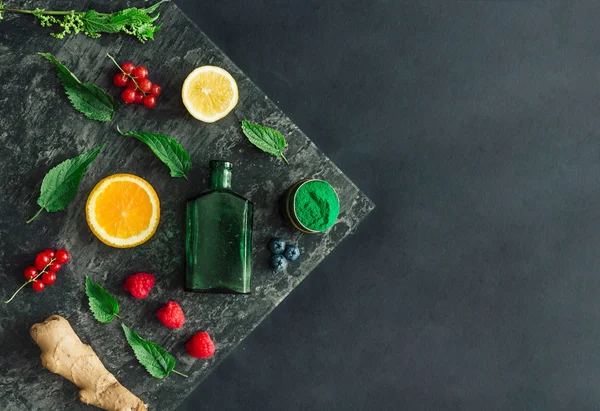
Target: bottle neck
x,y
220,179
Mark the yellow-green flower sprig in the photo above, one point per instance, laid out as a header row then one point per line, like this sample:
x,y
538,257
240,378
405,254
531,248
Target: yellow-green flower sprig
x,y
71,23
132,21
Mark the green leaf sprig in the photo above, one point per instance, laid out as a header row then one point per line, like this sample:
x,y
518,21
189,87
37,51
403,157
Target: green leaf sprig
x,y
267,139
167,149
103,305
151,356
138,22
155,360
92,101
61,183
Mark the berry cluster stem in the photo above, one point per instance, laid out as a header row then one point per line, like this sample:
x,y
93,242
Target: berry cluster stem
x,y
127,74
30,281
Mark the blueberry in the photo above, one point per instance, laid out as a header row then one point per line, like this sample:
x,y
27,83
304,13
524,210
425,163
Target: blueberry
x,y
292,252
277,245
278,263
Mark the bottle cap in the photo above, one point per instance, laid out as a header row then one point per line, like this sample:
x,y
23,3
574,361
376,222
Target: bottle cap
x,y
220,164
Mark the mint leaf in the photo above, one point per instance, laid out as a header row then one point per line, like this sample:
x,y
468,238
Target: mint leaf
x,y
88,99
146,31
152,9
166,149
103,305
157,361
267,139
61,183
95,23
138,22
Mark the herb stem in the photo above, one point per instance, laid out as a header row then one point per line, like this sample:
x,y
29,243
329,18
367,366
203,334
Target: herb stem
x,y
284,159
35,216
118,316
44,13
30,281
179,373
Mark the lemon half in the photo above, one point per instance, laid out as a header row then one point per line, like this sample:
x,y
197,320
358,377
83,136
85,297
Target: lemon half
x,y
209,93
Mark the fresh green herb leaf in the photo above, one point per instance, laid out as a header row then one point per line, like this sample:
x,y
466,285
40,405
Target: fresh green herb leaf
x,y
133,21
103,305
268,140
90,100
61,183
137,22
95,22
146,30
166,149
157,361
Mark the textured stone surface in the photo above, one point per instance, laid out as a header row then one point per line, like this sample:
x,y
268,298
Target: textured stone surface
x,y
39,128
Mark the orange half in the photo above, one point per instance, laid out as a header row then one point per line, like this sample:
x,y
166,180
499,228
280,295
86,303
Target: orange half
x,y
123,211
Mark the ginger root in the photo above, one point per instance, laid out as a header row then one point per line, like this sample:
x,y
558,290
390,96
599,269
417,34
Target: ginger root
x,y
63,353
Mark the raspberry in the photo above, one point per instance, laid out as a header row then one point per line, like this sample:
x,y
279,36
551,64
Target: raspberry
x,y
171,315
200,346
139,285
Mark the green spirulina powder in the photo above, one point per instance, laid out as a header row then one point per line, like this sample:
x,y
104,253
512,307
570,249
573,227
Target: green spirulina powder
x,y
316,205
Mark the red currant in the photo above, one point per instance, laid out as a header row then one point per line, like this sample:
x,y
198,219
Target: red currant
x,y
140,72
128,95
128,67
49,252
30,273
54,267
156,90
145,85
139,97
62,256
37,285
41,261
150,101
48,278
120,80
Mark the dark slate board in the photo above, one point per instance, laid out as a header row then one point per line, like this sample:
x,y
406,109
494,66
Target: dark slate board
x,y
38,129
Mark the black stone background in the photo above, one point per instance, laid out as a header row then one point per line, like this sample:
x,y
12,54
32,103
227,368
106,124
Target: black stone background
x,y
474,127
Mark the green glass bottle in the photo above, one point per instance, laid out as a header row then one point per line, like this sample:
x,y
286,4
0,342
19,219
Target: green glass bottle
x,y
219,237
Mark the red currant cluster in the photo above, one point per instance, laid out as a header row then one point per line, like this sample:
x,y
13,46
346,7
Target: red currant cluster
x,y
43,272
138,88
